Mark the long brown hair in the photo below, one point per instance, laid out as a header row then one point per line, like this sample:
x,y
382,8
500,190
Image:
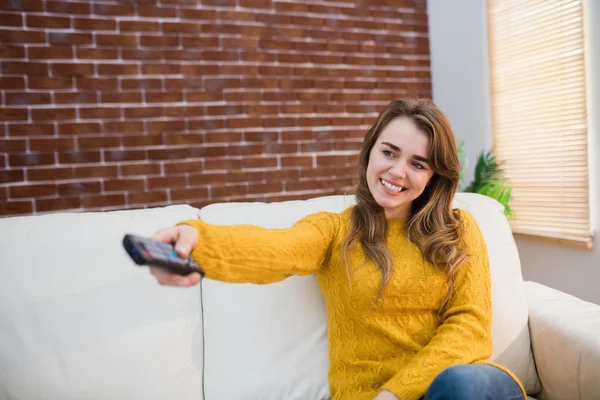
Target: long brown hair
x,y
432,225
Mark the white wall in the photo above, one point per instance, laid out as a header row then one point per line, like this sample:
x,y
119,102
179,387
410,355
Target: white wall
x,y
460,79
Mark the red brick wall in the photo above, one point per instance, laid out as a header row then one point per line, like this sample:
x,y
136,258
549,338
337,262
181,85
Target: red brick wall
x,y
123,104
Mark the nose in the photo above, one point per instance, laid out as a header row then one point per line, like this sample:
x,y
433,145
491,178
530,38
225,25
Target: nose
x,y
398,169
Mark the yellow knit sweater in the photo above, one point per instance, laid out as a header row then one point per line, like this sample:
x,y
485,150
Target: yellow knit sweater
x,y
400,343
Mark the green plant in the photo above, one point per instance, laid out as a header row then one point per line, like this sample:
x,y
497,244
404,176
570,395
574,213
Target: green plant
x,y
490,182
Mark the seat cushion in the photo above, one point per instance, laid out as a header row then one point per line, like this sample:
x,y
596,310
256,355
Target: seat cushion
x,y
281,328
78,319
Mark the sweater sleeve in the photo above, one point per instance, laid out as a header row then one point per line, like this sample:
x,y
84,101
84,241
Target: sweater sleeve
x,y
251,254
465,335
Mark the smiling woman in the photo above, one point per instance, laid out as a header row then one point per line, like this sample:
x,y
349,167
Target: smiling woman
x,y
405,278
398,171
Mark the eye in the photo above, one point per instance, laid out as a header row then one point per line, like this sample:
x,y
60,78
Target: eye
x,y
418,165
387,153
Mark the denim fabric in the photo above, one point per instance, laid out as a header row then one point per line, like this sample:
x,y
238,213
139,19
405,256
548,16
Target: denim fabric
x,y
473,382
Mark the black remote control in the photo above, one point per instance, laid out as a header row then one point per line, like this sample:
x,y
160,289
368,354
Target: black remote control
x,y
144,251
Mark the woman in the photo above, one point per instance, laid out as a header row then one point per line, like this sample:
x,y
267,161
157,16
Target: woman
x,y
405,278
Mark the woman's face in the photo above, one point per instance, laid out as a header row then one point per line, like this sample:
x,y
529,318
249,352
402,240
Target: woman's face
x,y
398,171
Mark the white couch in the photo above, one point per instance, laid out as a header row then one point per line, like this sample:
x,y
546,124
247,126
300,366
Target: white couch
x,y
78,320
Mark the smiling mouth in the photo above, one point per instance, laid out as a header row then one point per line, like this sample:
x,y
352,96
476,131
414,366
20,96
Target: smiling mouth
x,y
392,188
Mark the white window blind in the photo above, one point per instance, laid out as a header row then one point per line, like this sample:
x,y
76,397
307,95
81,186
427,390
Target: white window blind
x,y
539,116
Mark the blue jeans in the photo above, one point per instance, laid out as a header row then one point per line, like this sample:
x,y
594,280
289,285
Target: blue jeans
x,y
473,382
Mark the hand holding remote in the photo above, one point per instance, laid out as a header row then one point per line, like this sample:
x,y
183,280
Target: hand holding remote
x,y
184,238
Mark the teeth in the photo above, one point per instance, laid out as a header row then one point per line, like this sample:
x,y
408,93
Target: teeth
x,y
391,187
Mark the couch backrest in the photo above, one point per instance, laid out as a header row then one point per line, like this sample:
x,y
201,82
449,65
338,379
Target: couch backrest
x,y
78,320
281,328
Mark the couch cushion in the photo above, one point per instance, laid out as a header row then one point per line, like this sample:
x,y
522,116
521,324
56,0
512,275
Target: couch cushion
x,y
281,328
79,320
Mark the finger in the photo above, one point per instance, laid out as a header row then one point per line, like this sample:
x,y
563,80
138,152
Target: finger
x,y
186,240
167,235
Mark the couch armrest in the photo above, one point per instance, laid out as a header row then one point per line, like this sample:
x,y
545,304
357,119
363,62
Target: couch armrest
x,y
565,338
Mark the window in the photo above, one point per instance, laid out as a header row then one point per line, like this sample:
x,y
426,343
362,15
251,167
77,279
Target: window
x,y
539,117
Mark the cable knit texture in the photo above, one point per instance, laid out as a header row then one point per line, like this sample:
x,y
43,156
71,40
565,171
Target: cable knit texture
x,y
401,341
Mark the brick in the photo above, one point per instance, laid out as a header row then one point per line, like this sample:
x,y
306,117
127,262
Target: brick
x,y
123,127
96,142
52,52
13,114
163,97
174,139
189,194
94,24
79,157
166,182
28,129
114,9
30,158
178,167
182,27
124,155
160,69
122,40
78,128
138,26
245,176
117,69
105,200
228,191
25,68
12,83
16,207
136,83
220,29
72,69
203,42
259,162
124,185
185,111
269,187
20,99
158,196
10,145
11,175
238,150
68,7
219,3
223,137
97,83
20,36
96,171
75,188
76,98
121,97
46,144
140,169
65,38
144,112
160,12
99,113
159,41
297,161
170,126
49,173
204,178
97,53
7,52
209,69
229,164
142,140
39,21
22,5
236,15
205,123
